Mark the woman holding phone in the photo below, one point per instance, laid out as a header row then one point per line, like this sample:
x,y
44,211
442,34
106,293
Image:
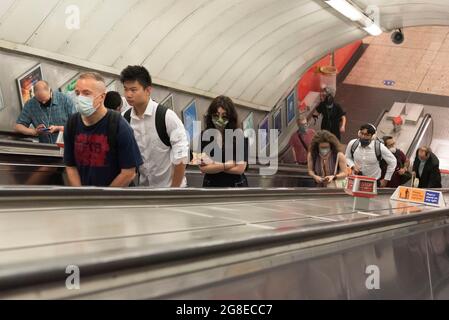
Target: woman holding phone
x,y
326,162
223,165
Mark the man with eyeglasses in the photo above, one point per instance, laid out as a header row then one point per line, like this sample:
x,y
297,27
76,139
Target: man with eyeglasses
x,y
47,111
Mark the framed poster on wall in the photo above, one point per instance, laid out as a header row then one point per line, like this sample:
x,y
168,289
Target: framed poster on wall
x,y
264,133
189,117
277,120
26,83
2,102
248,124
168,102
69,86
291,108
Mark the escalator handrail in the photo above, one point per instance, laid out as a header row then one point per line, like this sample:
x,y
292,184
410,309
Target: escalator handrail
x,y
418,136
91,266
380,117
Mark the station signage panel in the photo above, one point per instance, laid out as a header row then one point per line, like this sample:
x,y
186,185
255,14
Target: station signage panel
x,y
360,186
421,196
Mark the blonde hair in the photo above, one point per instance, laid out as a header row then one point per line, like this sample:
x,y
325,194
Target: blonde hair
x,y
93,75
100,84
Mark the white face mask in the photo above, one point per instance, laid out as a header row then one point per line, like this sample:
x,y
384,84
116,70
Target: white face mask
x,y
85,106
393,150
324,151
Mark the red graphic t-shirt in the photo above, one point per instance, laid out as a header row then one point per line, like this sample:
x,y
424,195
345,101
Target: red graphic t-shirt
x,y
91,150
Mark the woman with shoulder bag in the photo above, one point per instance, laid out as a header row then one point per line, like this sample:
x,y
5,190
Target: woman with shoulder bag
x,y
326,162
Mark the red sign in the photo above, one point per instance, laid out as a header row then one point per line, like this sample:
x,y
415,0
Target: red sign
x,y
366,186
350,183
359,186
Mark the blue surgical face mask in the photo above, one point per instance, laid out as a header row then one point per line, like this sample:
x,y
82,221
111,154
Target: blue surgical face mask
x,y
85,105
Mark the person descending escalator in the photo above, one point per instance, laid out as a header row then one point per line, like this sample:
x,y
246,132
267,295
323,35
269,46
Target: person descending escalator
x,y
224,156
334,118
300,141
365,154
401,174
326,162
99,146
426,168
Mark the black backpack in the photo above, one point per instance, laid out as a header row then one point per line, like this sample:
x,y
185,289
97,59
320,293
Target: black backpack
x,y
113,120
161,127
377,144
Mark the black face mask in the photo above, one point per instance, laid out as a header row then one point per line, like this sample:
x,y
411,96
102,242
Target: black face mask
x,y
47,104
329,100
365,142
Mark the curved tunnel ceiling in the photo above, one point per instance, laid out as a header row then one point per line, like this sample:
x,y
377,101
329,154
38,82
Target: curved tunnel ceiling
x,y
251,50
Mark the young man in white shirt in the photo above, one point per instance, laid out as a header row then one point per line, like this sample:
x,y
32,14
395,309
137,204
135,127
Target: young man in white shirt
x,y
364,154
165,151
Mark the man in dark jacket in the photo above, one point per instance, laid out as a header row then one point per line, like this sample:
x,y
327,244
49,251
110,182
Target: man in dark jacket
x,y
334,118
427,168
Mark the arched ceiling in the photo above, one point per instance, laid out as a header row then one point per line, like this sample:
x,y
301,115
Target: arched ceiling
x,y
252,50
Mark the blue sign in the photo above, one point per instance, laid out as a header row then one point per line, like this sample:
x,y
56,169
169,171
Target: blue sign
x,y
2,105
189,115
277,121
291,108
432,197
264,137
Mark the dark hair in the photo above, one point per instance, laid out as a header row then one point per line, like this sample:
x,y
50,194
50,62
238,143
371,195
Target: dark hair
x,y
136,73
322,137
113,100
426,149
386,138
368,127
227,104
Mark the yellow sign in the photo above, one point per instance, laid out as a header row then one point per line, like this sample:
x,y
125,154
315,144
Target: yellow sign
x,y
427,197
415,195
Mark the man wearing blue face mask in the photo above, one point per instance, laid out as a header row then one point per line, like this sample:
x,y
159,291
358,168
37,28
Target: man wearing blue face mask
x,y
365,154
99,145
